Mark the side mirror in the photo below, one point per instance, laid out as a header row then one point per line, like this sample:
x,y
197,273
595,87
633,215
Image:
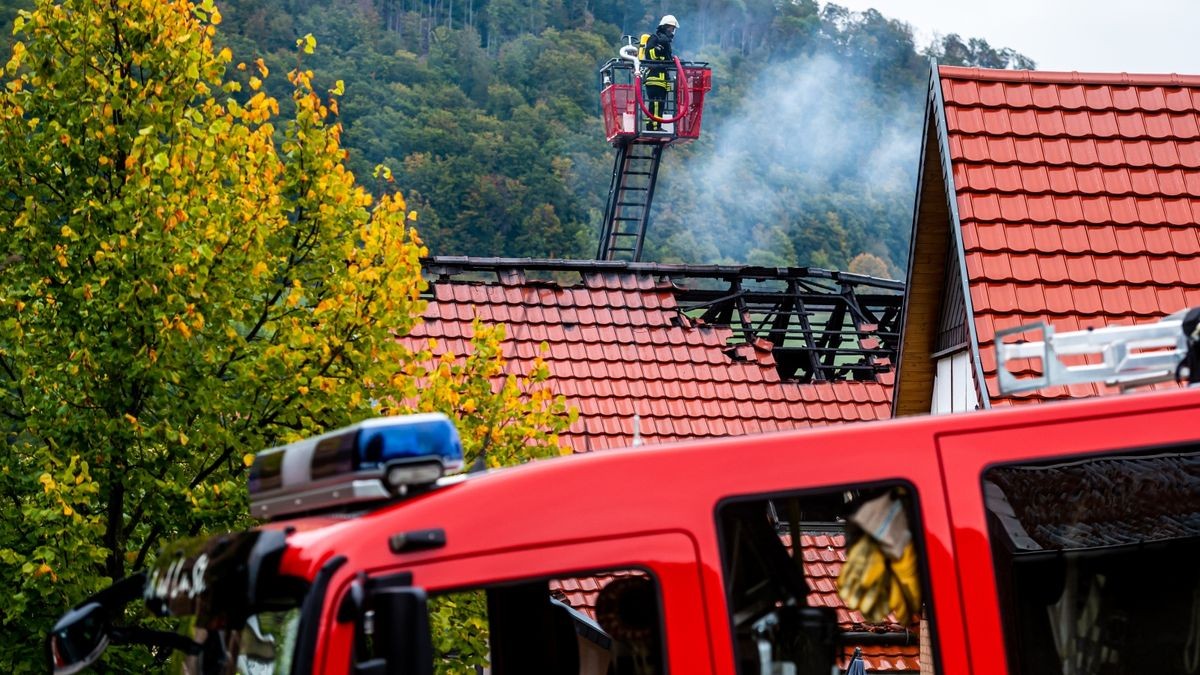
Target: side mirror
x,y
394,632
78,639
82,634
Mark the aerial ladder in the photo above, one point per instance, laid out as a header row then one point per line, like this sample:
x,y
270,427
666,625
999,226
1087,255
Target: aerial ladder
x,y
1120,356
639,147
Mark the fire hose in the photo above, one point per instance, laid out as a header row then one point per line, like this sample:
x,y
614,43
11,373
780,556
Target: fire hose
x,y
683,100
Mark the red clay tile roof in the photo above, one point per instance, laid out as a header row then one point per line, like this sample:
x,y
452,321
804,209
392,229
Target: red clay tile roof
x,y
1078,197
617,345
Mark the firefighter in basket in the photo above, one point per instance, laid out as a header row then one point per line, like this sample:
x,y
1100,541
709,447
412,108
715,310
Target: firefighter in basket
x,y
657,57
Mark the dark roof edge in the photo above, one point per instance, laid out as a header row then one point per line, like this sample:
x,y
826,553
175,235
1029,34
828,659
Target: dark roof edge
x,y
450,265
939,103
1068,77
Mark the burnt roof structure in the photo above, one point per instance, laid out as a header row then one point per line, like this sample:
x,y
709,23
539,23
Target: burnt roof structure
x,y
821,325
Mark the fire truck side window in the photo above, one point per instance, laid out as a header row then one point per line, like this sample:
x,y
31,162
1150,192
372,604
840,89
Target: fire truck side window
x,y
818,581
1096,563
606,623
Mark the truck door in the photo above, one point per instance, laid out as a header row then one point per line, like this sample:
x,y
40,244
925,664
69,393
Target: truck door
x,y
1077,539
839,553
619,606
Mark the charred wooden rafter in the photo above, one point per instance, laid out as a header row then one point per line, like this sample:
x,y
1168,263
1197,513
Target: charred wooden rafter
x,y
822,325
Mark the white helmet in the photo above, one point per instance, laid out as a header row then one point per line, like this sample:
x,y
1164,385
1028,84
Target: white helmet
x,y
669,20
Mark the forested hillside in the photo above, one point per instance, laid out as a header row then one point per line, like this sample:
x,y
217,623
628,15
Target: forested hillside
x,y
487,113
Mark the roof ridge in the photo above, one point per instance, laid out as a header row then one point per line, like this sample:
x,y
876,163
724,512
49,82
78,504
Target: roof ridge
x,y
1068,77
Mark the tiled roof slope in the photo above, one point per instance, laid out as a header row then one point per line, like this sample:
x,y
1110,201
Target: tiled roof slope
x,y
619,346
1078,197
823,556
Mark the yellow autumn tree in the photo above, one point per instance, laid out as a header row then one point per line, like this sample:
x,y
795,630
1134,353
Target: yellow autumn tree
x,y
182,283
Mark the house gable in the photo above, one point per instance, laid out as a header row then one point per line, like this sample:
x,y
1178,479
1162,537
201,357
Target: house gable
x,y
1077,199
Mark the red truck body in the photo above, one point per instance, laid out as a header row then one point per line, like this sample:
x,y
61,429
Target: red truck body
x,y
996,587
654,509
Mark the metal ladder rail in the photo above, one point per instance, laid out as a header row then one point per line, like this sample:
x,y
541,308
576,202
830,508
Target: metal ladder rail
x,y
630,194
1122,362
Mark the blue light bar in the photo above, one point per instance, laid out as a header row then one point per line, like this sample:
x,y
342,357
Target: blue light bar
x,y
376,459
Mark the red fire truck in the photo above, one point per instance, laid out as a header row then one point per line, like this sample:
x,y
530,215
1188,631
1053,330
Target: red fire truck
x,y
1057,538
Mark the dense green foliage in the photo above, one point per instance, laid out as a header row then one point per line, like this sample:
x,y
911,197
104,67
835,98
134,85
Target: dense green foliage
x,y
487,111
187,277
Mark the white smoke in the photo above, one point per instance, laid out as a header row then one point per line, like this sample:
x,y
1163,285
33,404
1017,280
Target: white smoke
x,y
807,131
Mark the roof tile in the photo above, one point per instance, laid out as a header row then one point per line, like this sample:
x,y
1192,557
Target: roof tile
x,y
1114,299
1171,182
1083,151
1183,241
1002,150
1151,98
1189,154
1150,210
1158,126
1002,178
1062,179
996,122
1074,238
1184,126
1104,123
1178,99
1137,153
1171,299
1055,151
1110,153
1165,154
1068,209
1102,239
1125,98
1117,181
1094,210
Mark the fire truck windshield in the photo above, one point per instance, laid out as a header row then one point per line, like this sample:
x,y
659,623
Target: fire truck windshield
x,y
234,612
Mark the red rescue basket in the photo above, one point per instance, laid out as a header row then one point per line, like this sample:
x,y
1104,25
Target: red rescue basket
x,y
625,112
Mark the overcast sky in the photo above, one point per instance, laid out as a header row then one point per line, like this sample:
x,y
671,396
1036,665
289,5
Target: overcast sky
x,y
1148,36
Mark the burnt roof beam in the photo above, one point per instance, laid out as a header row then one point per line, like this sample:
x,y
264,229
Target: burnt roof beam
x,y
448,266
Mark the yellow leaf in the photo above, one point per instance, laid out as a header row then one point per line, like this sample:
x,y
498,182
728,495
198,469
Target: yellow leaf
x,y
183,438
68,511
308,43
248,458
255,83
259,269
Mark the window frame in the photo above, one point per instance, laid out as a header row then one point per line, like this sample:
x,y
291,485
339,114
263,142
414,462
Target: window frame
x,y
1120,425
916,524
670,558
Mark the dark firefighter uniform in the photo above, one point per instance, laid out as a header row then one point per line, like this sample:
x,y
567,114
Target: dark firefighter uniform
x,y
658,58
